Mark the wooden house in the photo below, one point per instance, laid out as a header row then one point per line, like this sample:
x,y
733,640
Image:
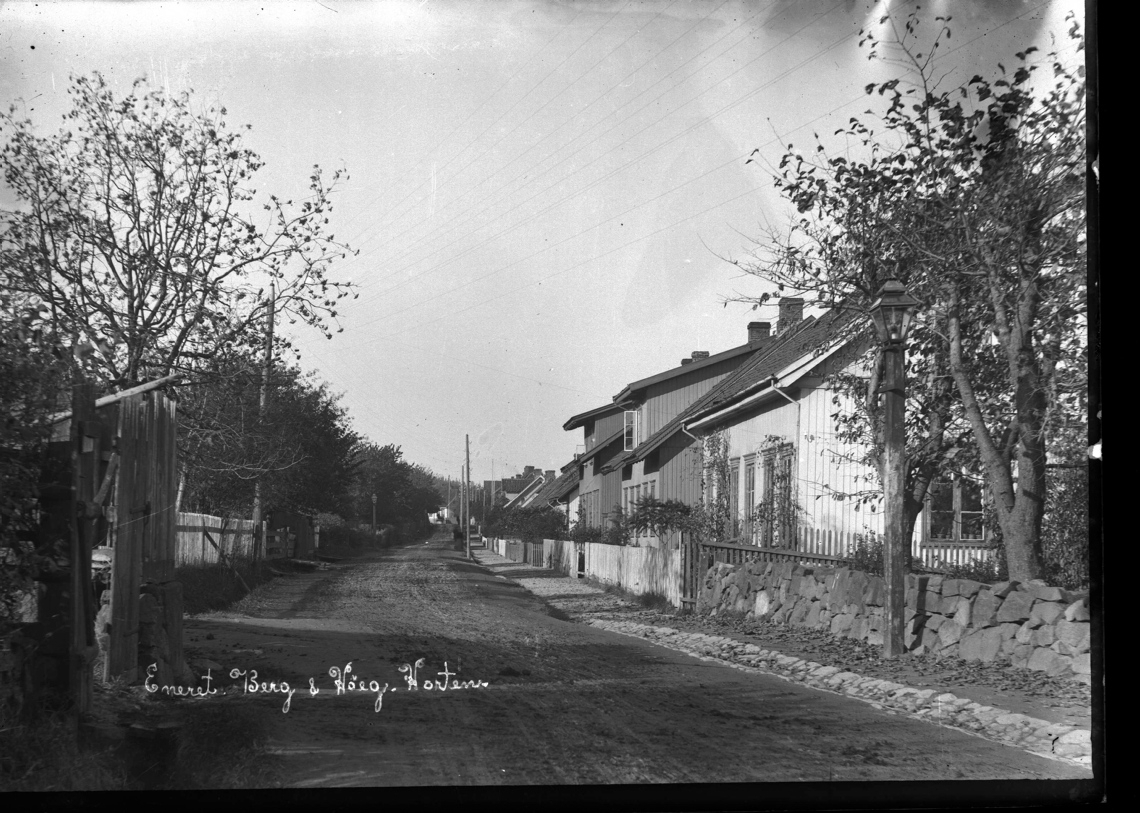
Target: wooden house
x,y
775,419
613,432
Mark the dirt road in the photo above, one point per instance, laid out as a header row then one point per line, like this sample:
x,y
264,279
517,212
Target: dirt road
x,y
546,701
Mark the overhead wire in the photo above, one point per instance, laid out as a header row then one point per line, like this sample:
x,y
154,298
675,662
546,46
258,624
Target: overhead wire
x,y
598,181
577,115
467,216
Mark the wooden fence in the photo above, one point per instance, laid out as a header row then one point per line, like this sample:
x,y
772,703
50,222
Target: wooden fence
x,y
641,571
235,538
933,554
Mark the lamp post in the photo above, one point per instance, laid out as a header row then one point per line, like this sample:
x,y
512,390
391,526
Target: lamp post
x,y
374,515
892,314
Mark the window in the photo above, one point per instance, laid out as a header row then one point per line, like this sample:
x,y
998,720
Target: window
x,y
778,517
592,509
631,427
734,497
955,510
749,499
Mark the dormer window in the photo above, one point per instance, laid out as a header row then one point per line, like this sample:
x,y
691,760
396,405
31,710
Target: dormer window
x,y
631,429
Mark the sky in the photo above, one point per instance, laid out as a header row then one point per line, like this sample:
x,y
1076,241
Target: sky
x,y
545,195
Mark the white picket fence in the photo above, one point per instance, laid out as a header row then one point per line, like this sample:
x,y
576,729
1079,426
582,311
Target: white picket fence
x,y
638,570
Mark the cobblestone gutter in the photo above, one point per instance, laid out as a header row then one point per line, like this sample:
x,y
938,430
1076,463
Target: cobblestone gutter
x,y
1056,741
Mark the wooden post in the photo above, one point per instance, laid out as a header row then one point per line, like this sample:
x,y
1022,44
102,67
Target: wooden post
x,y
895,547
85,465
467,495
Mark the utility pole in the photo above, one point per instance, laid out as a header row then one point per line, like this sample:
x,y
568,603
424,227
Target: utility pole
x,y
267,366
467,444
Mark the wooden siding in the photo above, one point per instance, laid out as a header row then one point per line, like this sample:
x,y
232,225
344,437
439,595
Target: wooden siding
x,y
603,428
665,400
827,466
679,470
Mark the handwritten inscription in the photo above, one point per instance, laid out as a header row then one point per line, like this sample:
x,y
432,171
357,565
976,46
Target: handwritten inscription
x,y
345,682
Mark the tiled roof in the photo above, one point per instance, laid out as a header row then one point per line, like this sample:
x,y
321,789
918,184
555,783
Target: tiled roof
x,y
530,488
558,487
683,369
810,334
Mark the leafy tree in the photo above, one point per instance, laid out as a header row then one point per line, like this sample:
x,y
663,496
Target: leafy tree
x,y
973,197
139,230
34,373
404,492
303,451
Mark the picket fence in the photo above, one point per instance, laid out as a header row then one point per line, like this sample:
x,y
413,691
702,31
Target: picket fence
x,y
659,571
638,570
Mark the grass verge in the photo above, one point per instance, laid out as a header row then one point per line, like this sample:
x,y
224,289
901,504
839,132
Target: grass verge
x,y
216,587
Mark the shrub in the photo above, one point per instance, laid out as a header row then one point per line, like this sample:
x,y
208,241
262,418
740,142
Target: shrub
x,y
660,517
530,524
867,555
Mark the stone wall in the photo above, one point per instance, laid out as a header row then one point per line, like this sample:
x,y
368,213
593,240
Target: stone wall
x,y
1030,625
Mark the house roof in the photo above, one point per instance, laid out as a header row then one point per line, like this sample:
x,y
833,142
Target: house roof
x,y
799,353
684,369
559,487
522,497
809,335
584,417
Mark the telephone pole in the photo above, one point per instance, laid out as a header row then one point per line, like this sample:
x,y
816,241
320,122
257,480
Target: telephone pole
x,y
267,366
467,444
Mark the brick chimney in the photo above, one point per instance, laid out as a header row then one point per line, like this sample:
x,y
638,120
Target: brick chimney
x,y
700,355
550,478
686,361
791,314
759,331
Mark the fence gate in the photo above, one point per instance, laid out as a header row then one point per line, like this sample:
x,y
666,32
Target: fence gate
x,y
144,525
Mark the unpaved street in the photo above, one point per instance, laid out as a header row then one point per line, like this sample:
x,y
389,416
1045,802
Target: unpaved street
x,y
564,703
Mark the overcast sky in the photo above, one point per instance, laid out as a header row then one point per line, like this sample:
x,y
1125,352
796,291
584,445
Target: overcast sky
x,y
542,193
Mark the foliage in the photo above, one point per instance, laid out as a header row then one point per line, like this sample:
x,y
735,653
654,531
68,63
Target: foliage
x,y
711,519
660,518
867,555
404,491
989,570
35,375
303,451
137,227
973,197
617,530
532,523
588,534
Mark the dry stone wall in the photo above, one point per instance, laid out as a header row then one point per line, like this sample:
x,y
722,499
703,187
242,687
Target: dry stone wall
x,y
1030,625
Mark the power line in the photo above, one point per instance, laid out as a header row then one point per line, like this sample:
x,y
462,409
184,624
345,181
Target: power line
x,y
577,115
457,128
464,219
620,169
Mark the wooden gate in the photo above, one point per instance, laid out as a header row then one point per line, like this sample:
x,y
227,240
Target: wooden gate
x,y
144,523
288,536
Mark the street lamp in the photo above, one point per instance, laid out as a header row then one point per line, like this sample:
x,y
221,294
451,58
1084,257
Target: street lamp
x,y
374,515
892,314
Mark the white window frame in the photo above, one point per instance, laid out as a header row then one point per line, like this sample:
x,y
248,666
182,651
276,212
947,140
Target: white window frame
x,y
632,429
